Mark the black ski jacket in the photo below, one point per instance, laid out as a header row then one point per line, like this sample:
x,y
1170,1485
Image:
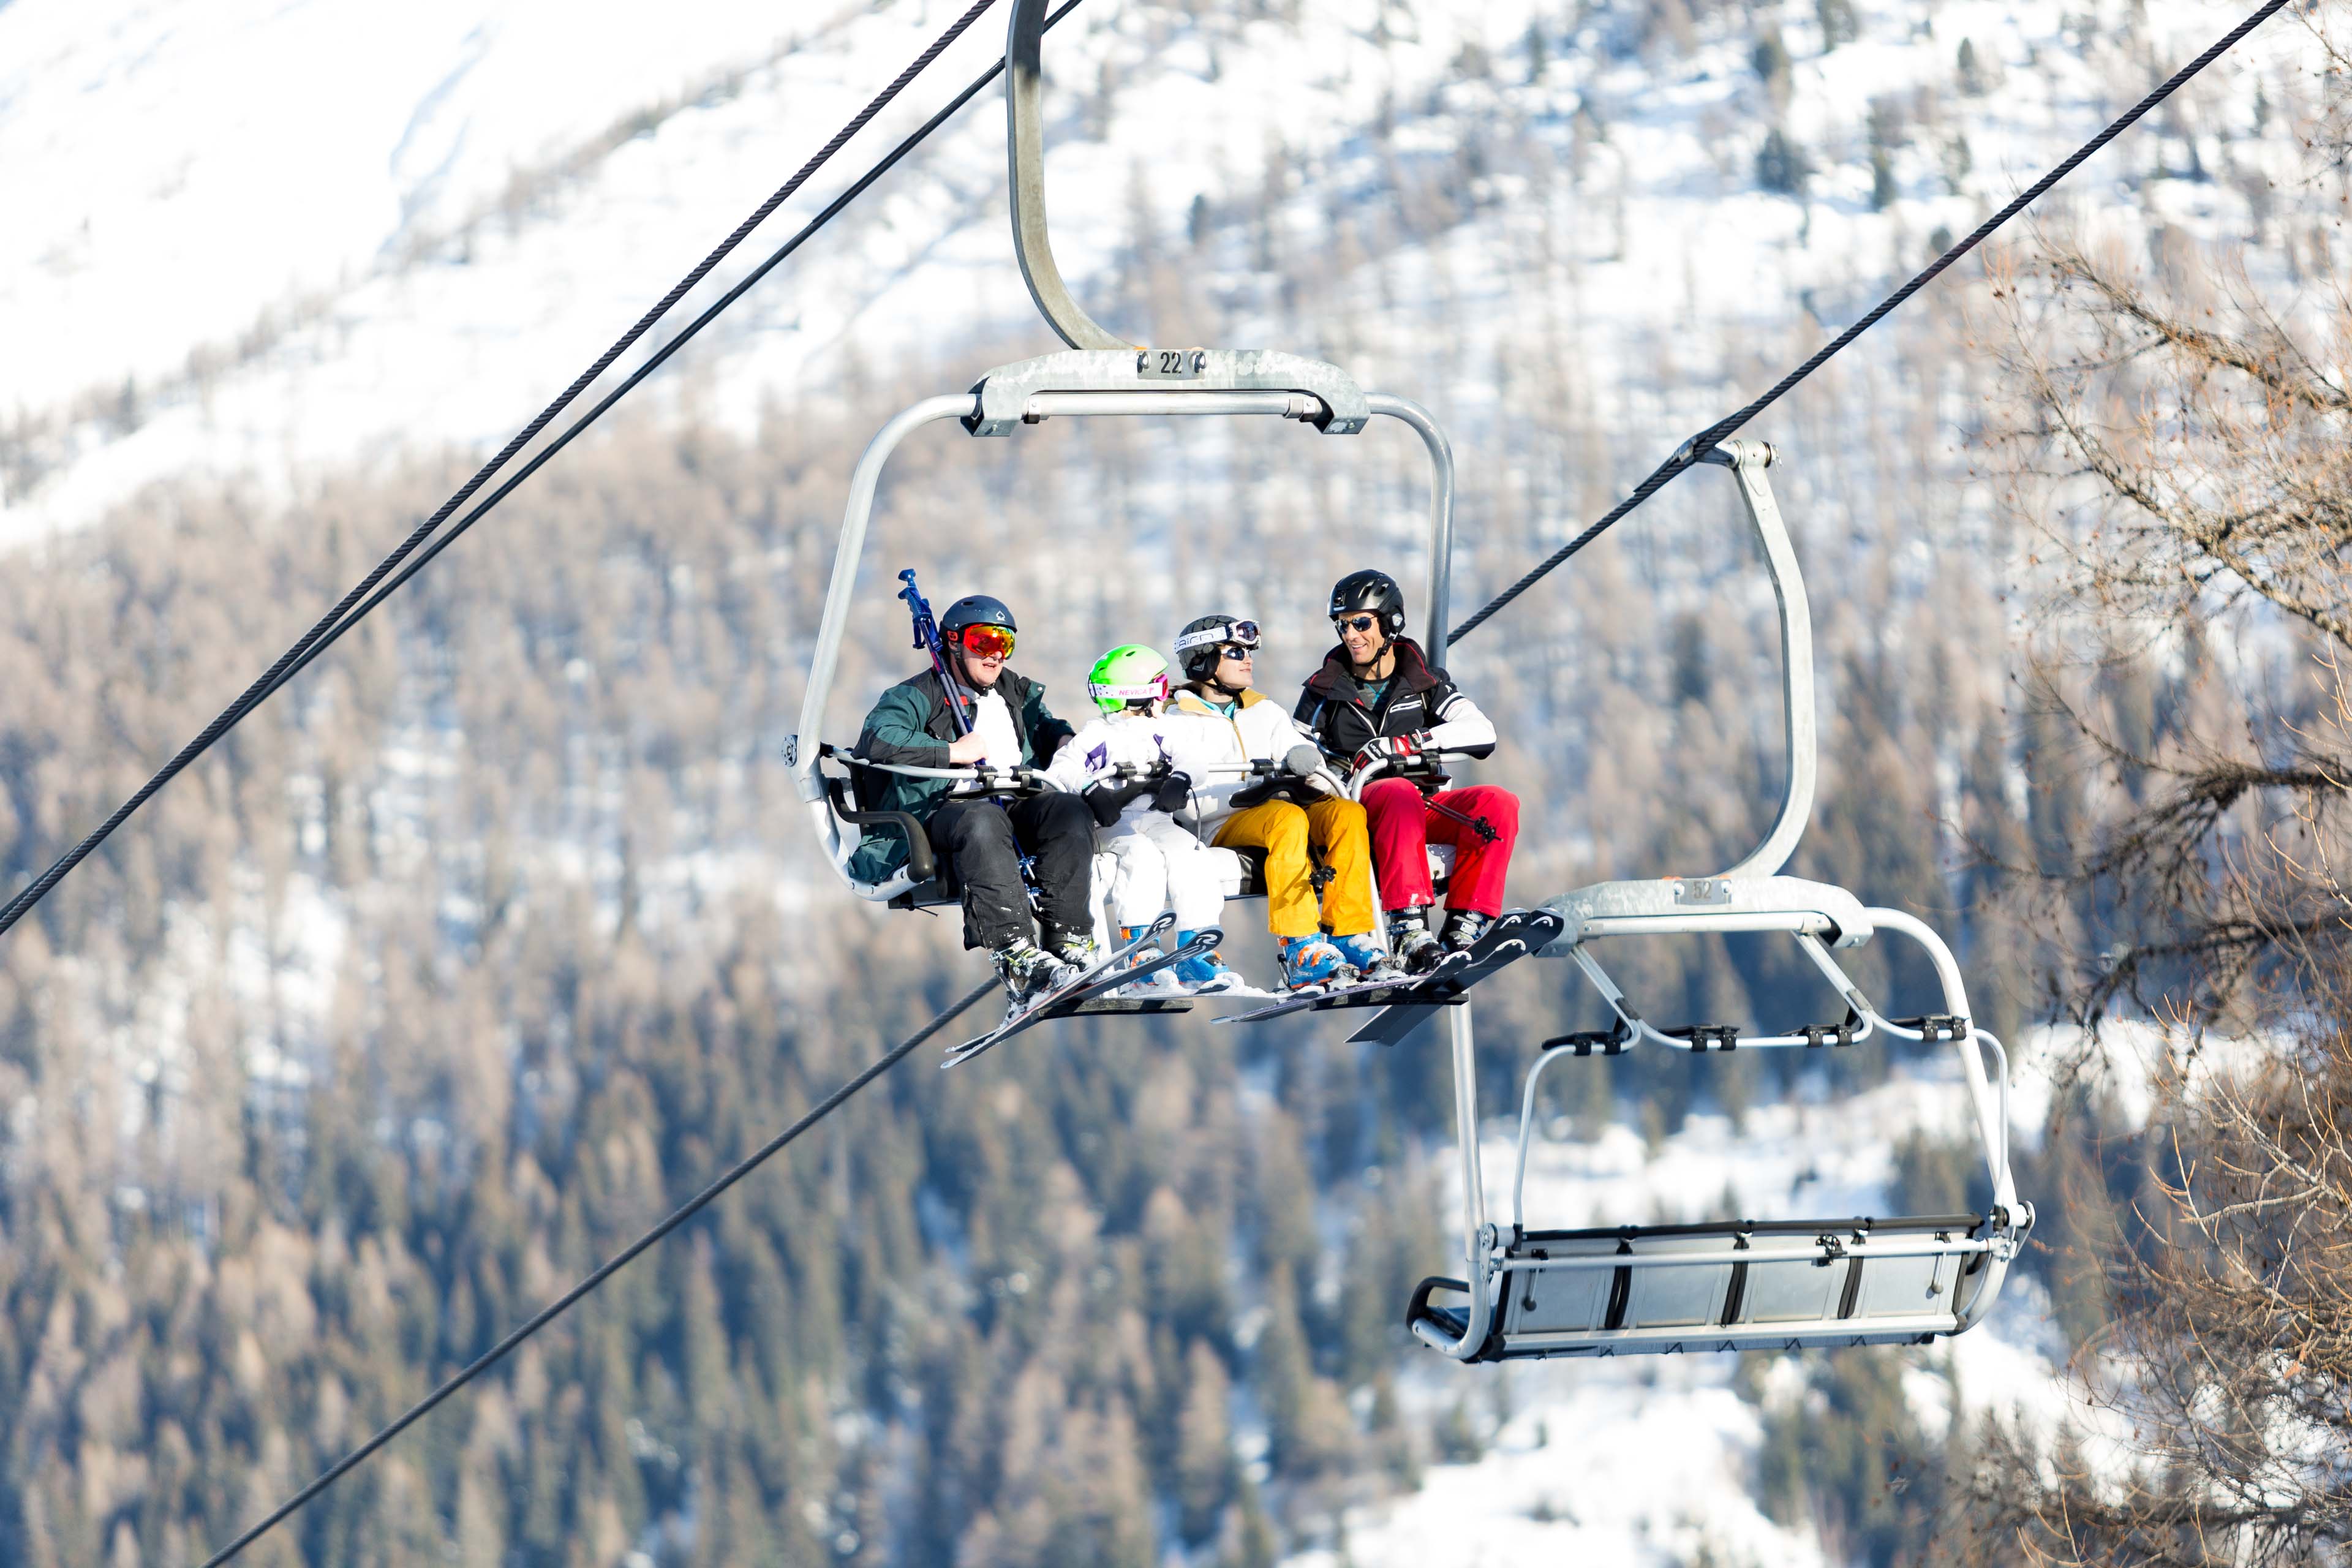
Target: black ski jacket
x,y
1419,699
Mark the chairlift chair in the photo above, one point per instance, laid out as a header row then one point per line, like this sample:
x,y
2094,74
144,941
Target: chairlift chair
x,y
1098,375
1740,1284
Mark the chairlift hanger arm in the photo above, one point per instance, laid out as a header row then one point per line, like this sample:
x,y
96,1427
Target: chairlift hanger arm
x,y
1025,91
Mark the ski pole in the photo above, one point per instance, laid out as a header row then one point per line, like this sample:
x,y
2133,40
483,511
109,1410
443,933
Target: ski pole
x,y
927,637
1477,825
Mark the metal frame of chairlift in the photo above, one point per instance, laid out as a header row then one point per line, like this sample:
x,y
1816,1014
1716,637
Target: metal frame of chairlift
x,y
1624,1289
1101,375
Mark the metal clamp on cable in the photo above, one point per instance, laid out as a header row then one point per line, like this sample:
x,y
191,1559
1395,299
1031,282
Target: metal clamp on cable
x,y
1609,1042
1816,1036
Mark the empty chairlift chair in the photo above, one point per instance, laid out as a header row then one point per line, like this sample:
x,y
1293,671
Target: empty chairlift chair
x,y
1781,1284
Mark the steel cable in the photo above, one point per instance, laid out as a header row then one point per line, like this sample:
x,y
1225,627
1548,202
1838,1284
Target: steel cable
x,y
882,166
1689,453
603,1272
330,624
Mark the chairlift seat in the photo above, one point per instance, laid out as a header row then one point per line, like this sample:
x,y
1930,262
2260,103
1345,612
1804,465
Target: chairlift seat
x,y
1732,1285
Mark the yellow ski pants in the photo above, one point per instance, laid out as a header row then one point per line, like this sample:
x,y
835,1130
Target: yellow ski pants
x,y
1336,830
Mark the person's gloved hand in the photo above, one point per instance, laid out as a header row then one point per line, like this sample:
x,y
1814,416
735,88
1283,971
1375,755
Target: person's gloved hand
x,y
1107,797
1397,750
1173,794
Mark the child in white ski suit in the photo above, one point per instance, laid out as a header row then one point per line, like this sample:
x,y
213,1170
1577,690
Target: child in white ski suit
x,y
1162,866
1137,750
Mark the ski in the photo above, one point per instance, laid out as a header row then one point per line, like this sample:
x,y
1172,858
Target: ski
x,y
1512,937
1109,972
1355,993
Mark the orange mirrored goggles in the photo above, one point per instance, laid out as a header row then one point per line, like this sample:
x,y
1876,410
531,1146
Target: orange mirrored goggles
x,y
986,642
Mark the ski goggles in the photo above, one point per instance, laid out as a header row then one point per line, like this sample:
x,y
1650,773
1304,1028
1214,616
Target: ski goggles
x,y
1119,693
986,642
1242,632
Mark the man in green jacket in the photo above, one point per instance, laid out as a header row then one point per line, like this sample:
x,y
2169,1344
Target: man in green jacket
x,y
980,839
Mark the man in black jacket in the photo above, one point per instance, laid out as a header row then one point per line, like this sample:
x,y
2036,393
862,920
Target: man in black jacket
x,y
1379,700
981,839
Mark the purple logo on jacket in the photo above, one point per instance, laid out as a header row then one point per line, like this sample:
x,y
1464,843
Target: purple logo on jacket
x,y
1098,757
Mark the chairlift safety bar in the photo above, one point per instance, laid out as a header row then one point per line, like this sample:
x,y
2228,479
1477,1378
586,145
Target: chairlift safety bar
x,y
1078,384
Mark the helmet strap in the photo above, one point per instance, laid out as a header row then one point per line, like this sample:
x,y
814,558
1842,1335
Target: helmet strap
x,y
963,671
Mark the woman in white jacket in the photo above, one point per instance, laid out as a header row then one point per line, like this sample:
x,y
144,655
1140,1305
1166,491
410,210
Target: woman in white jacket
x,y
1219,655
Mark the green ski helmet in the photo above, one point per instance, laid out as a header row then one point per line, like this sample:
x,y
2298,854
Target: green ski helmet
x,y
1130,673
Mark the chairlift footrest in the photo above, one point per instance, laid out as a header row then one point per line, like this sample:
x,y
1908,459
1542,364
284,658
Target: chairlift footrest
x,y
1708,1036
1935,1028
1816,1036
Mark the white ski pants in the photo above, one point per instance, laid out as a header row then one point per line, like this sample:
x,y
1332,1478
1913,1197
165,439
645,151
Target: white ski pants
x,y
1162,867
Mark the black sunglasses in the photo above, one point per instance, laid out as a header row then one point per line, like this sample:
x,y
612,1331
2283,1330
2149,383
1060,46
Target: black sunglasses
x,y
1355,623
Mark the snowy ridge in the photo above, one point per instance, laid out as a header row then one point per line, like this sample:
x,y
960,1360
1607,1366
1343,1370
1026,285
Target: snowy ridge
x,y
231,251
233,256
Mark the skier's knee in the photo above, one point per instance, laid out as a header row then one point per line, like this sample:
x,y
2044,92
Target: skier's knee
x,y
983,823
1286,830
1065,814
1343,820
1499,806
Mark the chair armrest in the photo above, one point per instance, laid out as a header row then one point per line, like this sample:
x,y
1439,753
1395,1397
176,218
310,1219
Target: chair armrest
x,y
921,864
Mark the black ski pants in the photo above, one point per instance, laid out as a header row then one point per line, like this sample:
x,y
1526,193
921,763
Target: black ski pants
x,y
981,842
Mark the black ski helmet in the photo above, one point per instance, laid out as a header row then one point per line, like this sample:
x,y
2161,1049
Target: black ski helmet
x,y
975,610
1373,591
1200,646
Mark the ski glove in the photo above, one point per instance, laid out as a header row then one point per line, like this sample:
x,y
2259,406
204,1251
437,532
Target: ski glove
x,y
1169,791
1397,749
1173,794
1108,799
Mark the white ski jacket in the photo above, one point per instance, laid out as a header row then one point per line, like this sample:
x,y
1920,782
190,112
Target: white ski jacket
x,y
1257,729
1190,745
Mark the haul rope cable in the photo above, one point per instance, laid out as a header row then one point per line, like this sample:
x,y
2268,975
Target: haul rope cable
x,y
859,188
1690,452
333,626
339,619
603,1272
832,1102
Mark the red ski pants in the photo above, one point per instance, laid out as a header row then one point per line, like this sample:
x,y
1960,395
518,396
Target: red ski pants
x,y
1404,825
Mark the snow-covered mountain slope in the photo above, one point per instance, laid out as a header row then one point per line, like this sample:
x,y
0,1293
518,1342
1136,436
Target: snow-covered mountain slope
x,y
247,238
244,237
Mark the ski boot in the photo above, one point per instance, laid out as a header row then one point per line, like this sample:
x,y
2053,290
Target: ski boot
x,y
1310,962
1160,983
1462,929
1368,958
1028,971
1205,976
1078,948
1417,949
